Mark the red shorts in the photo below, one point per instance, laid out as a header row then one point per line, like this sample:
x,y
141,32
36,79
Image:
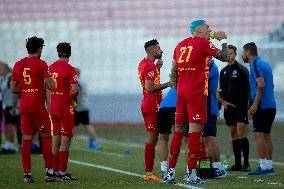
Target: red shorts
x,y
35,121
191,108
151,121
63,124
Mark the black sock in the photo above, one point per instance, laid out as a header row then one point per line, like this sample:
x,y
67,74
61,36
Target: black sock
x,y
237,152
245,149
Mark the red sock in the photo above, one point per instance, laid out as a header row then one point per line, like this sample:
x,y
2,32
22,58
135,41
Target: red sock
x,y
149,154
194,149
47,151
202,149
63,160
175,149
26,155
55,162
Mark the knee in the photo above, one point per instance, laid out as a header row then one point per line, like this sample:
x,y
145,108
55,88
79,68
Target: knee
x,y
234,135
164,137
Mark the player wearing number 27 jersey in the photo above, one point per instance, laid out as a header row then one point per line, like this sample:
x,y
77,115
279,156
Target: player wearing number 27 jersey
x,y
190,72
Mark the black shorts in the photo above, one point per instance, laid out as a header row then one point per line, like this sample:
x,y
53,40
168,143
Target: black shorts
x,y
263,120
81,117
233,115
210,127
166,119
11,119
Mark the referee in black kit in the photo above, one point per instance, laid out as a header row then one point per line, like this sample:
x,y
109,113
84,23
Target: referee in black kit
x,y
234,94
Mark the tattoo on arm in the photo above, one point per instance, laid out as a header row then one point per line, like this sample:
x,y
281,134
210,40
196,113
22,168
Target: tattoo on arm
x,y
174,73
222,55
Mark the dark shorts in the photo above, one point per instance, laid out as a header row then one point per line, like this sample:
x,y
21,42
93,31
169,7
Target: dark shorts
x,y
263,120
11,119
166,120
210,128
81,117
233,115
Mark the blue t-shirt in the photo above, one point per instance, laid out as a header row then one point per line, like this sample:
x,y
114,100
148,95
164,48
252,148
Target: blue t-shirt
x,y
260,68
212,103
170,99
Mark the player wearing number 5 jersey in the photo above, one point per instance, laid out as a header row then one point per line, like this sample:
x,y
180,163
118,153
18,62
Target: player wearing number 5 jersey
x,y
61,109
30,78
190,73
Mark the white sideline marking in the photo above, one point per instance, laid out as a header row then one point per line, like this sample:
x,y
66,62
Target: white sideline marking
x,y
99,152
137,145
120,171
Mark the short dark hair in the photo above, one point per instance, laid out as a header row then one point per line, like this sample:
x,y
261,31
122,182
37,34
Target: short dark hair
x,y
64,50
252,48
151,43
234,48
33,44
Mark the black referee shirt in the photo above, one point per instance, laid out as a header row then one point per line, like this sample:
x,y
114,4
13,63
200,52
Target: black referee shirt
x,y
234,84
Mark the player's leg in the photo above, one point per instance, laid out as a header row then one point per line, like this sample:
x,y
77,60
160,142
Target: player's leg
x,y
28,130
9,146
43,124
268,141
212,147
84,118
196,106
56,143
230,115
179,130
242,129
67,126
150,119
259,128
166,119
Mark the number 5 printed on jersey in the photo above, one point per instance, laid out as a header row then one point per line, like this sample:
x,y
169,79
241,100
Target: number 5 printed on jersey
x,y
27,76
183,51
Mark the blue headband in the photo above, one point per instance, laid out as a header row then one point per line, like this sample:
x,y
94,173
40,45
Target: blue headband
x,y
195,24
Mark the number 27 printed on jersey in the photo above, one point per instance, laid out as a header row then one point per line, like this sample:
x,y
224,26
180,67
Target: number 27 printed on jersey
x,y
185,54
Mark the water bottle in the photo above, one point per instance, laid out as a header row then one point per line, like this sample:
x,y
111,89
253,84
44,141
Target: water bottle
x,y
225,166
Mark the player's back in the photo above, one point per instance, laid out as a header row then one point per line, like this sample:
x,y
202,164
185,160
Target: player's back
x,y
30,72
61,98
192,56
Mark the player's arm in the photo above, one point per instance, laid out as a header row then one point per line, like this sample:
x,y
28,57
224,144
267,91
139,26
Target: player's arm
x,y
74,90
15,87
174,73
222,54
49,83
225,103
259,93
152,87
47,98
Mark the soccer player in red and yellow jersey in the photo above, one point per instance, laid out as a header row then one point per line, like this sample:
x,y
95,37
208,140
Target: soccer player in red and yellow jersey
x,y
190,72
31,78
61,109
149,75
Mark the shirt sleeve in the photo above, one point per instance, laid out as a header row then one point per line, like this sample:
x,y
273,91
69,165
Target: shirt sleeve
x,y
258,70
150,73
73,76
46,72
208,48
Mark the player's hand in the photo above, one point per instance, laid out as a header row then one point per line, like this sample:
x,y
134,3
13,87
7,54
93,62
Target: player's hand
x,y
170,84
159,64
252,110
219,35
228,104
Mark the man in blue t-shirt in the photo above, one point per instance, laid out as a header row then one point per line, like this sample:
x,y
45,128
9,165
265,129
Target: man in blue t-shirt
x,y
166,119
262,107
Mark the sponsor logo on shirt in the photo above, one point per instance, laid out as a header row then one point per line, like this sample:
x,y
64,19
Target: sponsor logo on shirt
x,y
196,117
151,74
